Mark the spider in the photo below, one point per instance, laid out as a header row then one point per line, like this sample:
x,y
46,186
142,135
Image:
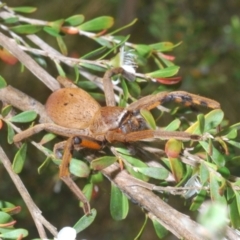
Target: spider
x,y
76,115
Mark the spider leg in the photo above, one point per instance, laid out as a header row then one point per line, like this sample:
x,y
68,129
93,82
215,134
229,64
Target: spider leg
x,y
67,156
64,174
50,127
112,136
151,101
108,85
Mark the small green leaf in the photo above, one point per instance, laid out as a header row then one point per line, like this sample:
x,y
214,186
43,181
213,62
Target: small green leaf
x,y
97,24
186,179
137,174
11,20
24,9
26,29
56,24
44,165
75,20
234,213
231,133
118,204
4,204
230,194
99,97
3,83
164,46
85,221
166,72
237,196
52,31
87,191
173,126
143,49
215,155
125,89
87,85
47,138
14,234
62,46
104,42
154,172
140,232
10,133
224,171
19,159
92,67
236,126
198,200
123,151
204,173
24,117
6,110
159,229
96,177
134,89
201,122
212,120
215,190
176,168
134,161
131,162
148,118
5,218
103,162
60,69
79,168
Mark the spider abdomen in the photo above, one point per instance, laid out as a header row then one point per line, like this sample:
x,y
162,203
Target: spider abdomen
x,y
71,107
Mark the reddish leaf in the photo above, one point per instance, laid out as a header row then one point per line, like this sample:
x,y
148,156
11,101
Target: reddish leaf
x,y
1,123
9,224
13,210
167,57
7,57
169,81
69,30
173,148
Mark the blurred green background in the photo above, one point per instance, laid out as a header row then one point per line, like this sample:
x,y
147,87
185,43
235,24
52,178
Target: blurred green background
x,y
209,60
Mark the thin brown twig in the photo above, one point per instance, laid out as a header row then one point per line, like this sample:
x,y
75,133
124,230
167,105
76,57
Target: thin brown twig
x,y
36,213
25,59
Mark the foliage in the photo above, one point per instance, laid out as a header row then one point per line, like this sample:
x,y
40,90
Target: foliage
x,y
200,170
7,229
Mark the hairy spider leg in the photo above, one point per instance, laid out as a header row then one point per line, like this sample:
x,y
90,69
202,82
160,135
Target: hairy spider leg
x,y
188,99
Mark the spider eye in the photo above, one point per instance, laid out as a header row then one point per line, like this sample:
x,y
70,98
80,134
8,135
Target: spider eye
x,y
77,140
